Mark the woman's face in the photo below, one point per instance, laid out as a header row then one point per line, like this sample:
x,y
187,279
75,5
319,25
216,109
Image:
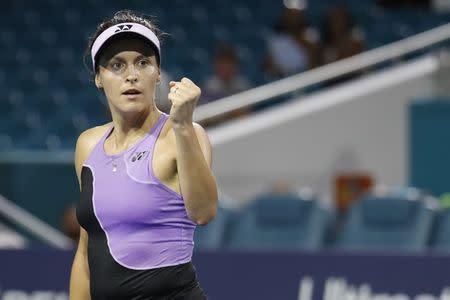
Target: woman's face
x,y
128,73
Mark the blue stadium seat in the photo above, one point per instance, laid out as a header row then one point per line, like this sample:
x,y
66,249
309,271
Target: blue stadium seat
x,y
91,104
42,103
63,129
9,106
281,222
51,58
8,39
67,58
387,224
6,142
26,131
441,235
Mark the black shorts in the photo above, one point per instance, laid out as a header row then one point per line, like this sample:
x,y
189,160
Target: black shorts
x,y
167,283
189,286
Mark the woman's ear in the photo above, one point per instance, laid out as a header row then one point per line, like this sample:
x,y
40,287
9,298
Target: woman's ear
x,y
158,79
98,82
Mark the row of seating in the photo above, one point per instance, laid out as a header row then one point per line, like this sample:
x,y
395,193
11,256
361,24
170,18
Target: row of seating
x,y
289,222
42,73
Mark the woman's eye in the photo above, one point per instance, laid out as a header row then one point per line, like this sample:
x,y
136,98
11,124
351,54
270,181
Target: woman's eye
x,y
143,63
116,66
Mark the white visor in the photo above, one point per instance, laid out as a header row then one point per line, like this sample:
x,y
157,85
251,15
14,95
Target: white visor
x,y
124,28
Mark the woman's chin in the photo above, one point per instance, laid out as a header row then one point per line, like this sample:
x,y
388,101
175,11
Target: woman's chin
x,y
133,108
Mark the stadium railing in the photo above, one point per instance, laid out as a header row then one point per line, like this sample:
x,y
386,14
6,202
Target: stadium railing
x,y
33,225
263,94
360,62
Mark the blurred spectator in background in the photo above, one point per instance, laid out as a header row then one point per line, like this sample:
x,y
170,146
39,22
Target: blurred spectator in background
x,y
293,48
341,38
69,223
226,79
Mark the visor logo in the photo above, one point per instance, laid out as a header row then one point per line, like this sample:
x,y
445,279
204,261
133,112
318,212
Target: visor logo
x,y
123,28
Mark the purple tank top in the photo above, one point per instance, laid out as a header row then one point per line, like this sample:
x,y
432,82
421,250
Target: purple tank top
x,y
145,222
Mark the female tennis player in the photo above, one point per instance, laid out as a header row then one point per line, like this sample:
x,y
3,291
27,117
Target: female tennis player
x,y
145,178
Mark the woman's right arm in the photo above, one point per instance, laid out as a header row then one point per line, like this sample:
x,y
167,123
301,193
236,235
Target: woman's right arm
x,y
79,277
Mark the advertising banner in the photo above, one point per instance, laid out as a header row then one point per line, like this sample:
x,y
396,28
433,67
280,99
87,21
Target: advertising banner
x,y
224,275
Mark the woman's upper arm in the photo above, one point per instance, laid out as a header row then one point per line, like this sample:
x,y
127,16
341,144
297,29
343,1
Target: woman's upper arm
x,y
204,142
79,157
85,143
82,243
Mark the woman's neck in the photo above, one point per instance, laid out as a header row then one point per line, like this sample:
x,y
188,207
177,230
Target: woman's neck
x,y
129,129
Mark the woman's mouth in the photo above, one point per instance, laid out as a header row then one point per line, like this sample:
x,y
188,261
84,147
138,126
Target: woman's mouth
x,y
132,93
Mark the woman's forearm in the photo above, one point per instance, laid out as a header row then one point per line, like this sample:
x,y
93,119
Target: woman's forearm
x,y
197,182
79,281
79,276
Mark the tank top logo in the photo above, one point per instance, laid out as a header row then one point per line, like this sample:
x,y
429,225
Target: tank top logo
x,y
138,155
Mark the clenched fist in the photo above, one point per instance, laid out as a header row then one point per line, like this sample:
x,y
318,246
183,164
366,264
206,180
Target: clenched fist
x,y
184,96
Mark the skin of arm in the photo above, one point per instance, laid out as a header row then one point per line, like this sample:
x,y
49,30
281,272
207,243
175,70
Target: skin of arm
x,y
79,276
197,182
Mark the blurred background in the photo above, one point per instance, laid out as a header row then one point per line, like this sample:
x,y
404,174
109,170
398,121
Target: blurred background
x,y
330,124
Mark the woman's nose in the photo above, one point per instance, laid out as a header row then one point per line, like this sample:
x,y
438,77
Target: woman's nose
x,y
132,75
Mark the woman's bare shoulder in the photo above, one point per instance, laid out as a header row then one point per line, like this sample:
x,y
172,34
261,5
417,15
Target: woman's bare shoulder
x,y
90,137
87,141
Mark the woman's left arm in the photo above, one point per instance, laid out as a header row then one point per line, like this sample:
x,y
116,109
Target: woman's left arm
x,y
197,182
